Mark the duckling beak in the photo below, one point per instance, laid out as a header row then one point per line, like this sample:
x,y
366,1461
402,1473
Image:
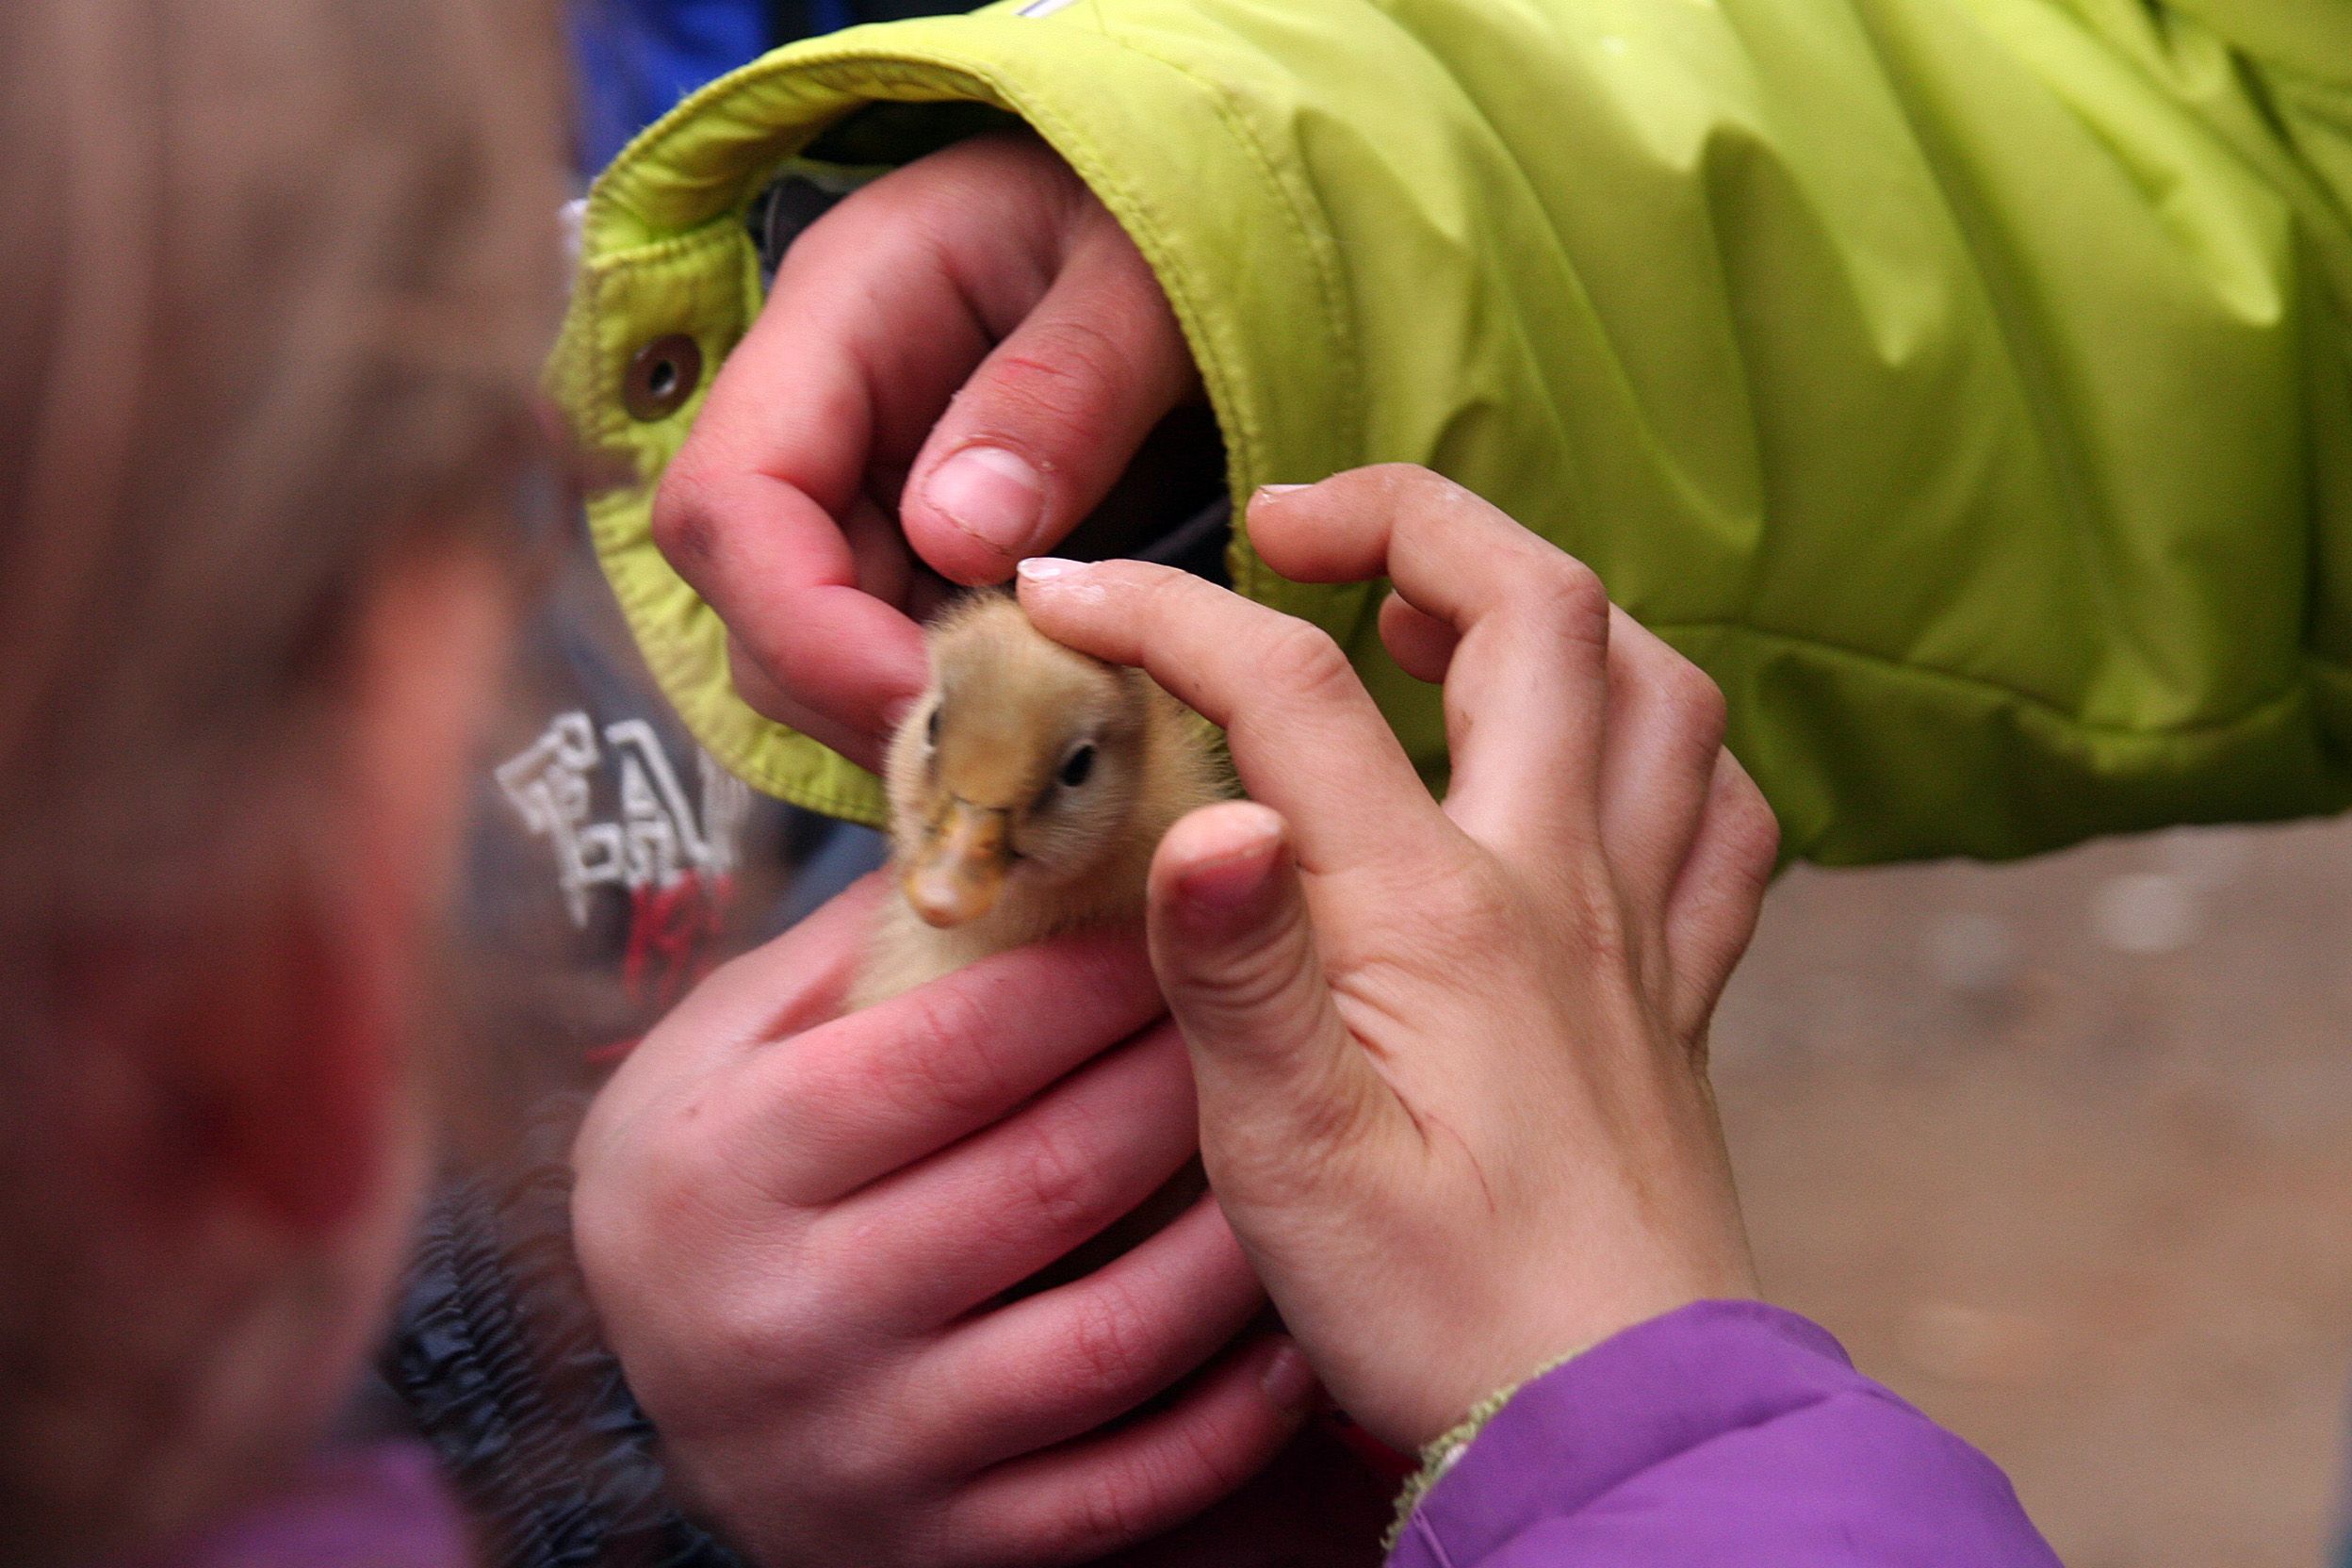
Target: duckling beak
x,y
960,869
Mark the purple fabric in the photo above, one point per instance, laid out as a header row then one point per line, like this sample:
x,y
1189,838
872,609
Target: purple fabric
x,y
380,1506
1727,1433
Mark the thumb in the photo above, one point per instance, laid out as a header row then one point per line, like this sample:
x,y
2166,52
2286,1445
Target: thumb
x,y
1279,1079
1052,417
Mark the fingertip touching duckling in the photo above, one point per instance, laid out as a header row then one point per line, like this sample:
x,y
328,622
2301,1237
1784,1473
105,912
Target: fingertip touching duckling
x,y
1028,789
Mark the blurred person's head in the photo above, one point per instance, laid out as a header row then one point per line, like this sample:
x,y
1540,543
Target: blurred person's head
x,y
275,276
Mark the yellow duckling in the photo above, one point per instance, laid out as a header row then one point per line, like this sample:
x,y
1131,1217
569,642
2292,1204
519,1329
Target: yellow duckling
x,y
1028,789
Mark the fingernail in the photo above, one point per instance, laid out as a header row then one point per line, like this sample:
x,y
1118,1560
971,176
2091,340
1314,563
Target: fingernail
x,y
994,494
1288,1380
1277,490
1045,568
1234,875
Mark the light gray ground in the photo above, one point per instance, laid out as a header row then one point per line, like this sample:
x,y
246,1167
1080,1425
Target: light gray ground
x,y
2062,1152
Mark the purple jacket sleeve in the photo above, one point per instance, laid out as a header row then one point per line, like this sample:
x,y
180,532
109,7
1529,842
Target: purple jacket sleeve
x,y
1727,1433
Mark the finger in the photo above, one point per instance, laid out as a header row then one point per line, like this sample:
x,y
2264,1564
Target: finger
x,y
981,1216
1305,737
885,567
763,696
924,594
872,325
775,567
1712,912
1283,1088
1037,436
855,1099
1072,1504
1057,1365
1421,645
1665,732
1526,688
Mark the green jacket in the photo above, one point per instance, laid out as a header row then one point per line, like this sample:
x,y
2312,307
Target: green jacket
x,y
1962,382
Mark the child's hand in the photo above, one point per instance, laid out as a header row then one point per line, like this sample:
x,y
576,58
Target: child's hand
x,y
984,288
1450,1062
794,1230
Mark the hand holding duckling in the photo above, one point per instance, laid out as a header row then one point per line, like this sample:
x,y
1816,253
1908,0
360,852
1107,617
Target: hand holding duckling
x,y
798,1226
954,367
1450,1061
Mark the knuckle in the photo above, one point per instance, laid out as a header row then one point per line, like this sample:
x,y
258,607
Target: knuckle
x,y
1753,830
1413,487
907,197
753,684
1411,483
1103,1513
1592,926
741,1335
672,1189
798,1105
1568,598
683,528
1215,1463
1699,707
1109,1347
653,1195
860,1473
1056,1178
749,1347
1707,716
1150,1488
1304,660
845,1274
1699,714
1256,979
950,1061
1060,369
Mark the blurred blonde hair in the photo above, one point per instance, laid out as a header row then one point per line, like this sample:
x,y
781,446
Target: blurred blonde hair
x,y
275,279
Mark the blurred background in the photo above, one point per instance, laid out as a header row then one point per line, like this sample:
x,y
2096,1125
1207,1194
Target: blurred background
x,y
2062,1152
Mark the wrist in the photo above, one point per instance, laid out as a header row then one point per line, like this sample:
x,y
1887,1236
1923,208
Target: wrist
x,y
1441,1452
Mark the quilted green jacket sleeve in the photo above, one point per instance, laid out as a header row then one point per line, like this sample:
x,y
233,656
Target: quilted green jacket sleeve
x,y
1963,382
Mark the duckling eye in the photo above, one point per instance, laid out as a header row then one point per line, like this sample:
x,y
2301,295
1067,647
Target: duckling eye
x,y
931,729
1078,766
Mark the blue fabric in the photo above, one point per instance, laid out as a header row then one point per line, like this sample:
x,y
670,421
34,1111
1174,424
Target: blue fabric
x,y
636,58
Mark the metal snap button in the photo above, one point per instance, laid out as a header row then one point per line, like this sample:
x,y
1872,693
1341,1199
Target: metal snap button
x,y
662,376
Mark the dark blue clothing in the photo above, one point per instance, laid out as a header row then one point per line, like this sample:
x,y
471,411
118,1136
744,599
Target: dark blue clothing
x,y
636,58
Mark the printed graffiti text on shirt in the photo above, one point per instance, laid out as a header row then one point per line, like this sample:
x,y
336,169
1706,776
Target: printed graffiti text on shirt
x,y
658,835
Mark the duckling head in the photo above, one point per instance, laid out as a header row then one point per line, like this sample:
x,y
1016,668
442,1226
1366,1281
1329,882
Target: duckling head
x,y
1015,779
